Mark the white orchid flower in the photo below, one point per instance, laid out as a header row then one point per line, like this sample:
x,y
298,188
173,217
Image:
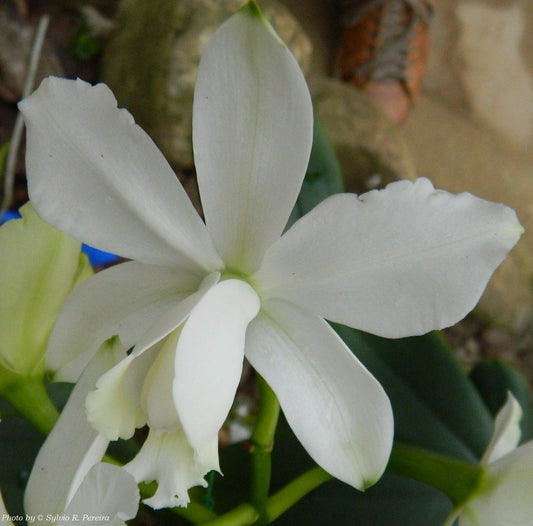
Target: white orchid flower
x,y
503,497
198,298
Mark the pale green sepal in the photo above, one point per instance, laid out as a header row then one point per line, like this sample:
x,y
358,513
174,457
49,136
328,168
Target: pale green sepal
x,y
84,270
39,266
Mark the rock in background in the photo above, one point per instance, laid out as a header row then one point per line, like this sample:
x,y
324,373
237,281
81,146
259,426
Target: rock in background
x,y
372,150
473,127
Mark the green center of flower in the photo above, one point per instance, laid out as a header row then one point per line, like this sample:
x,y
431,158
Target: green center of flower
x,y
235,274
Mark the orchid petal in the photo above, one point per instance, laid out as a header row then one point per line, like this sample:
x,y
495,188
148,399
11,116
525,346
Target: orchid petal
x,y
98,177
252,134
507,433
40,266
173,318
506,497
424,267
114,407
335,407
168,458
124,300
161,413
72,447
209,359
107,493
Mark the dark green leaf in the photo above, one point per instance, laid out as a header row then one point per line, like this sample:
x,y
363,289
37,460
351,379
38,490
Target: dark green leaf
x,y
84,46
394,501
493,378
19,445
323,177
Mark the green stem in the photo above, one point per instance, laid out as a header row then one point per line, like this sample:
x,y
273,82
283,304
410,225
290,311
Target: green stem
x,y
195,513
456,479
262,442
285,498
289,495
30,398
242,515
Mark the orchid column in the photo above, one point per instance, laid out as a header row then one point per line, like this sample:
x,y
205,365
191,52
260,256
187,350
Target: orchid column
x,y
198,298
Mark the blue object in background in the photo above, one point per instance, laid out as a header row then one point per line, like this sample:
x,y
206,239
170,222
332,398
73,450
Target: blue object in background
x,y
96,257
10,214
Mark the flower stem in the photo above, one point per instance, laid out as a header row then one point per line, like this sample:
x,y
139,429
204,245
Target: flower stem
x,y
195,513
294,491
29,397
286,497
262,442
243,515
456,479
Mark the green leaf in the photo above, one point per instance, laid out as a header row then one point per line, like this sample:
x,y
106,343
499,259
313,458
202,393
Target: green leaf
x,y
323,177
393,501
19,445
493,378
84,45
